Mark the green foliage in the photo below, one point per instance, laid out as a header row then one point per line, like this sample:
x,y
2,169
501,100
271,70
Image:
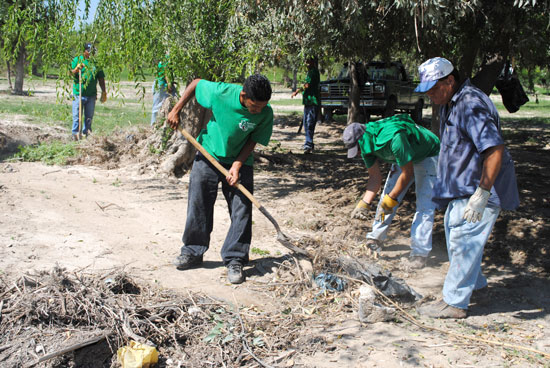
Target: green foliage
x,y
259,251
166,135
35,31
54,153
204,38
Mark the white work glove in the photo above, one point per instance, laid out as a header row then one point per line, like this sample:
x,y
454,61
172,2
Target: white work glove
x,y
476,205
361,211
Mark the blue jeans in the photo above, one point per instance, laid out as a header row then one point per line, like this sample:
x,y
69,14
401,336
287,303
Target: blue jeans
x,y
309,120
465,244
425,174
88,108
159,95
203,190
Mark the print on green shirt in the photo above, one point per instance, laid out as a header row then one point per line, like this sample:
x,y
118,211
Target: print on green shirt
x,y
231,124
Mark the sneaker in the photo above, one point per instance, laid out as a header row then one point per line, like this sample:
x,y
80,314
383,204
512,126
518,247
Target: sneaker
x,y
235,273
374,244
74,137
308,150
440,309
414,262
187,261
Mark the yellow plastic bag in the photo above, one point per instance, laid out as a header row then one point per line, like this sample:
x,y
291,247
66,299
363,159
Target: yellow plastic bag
x,y
137,356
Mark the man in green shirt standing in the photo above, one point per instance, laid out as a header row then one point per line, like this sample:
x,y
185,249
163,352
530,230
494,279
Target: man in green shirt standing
x,y
241,118
311,99
163,87
413,151
86,75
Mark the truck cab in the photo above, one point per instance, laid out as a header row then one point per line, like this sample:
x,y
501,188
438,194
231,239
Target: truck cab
x,y
386,89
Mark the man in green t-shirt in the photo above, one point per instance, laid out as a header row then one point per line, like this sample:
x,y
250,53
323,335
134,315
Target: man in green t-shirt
x,y
86,75
412,150
311,99
241,118
163,87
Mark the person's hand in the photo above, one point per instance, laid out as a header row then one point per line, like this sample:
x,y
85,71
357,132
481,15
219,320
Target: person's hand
x,y
233,174
169,88
103,97
173,118
476,205
361,211
387,206
295,93
80,66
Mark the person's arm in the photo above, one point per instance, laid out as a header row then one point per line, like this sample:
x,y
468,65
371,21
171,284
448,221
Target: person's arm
x,y
298,90
407,174
78,67
233,177
103,89
374,183
492,161
173,118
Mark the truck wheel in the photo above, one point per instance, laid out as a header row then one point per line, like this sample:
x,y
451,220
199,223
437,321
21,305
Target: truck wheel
x,y
390,107
327,114
417,112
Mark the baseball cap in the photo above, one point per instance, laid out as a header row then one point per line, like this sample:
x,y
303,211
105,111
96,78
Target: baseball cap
x,y
88,46
351,136
431,71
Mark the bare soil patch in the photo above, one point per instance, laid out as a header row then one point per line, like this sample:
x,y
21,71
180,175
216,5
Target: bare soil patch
x,y
109,216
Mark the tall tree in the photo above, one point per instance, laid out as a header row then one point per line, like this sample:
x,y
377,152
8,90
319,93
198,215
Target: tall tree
x,y
33,28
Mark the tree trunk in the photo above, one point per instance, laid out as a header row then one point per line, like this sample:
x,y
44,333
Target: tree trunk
x,y
179,153
294,79
9,75
354,109
286,78
487,76
531,80
19,71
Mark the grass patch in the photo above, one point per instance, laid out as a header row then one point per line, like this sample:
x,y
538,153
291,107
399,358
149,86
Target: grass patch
x,y
107,117
37,111
286,102
259,252
54,153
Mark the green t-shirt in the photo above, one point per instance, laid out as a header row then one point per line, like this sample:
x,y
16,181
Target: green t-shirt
x,y
231,124
397,140
90,75
312,94
161,76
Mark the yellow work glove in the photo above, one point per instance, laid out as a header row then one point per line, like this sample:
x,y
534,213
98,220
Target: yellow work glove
x,y
387,206
361,211
103,96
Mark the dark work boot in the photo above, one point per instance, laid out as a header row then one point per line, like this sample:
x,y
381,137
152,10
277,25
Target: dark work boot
x,y
187,261
235,273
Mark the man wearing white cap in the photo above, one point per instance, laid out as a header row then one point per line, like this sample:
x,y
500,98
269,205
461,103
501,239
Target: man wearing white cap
x,y
476,178
412,150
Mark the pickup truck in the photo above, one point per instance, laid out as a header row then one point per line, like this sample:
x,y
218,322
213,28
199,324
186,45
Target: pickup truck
x,y
385,89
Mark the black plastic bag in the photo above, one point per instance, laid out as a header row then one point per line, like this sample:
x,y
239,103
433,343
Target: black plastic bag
x,y
509,87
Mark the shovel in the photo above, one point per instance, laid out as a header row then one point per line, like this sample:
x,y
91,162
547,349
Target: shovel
x,y
282,238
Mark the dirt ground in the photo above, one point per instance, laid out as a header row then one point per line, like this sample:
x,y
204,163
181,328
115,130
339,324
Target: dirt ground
x,y
95,216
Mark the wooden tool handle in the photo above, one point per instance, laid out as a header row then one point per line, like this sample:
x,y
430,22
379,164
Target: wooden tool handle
x,y
218,166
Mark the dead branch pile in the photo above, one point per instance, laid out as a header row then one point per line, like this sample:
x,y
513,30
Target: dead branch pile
x,y
45,313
